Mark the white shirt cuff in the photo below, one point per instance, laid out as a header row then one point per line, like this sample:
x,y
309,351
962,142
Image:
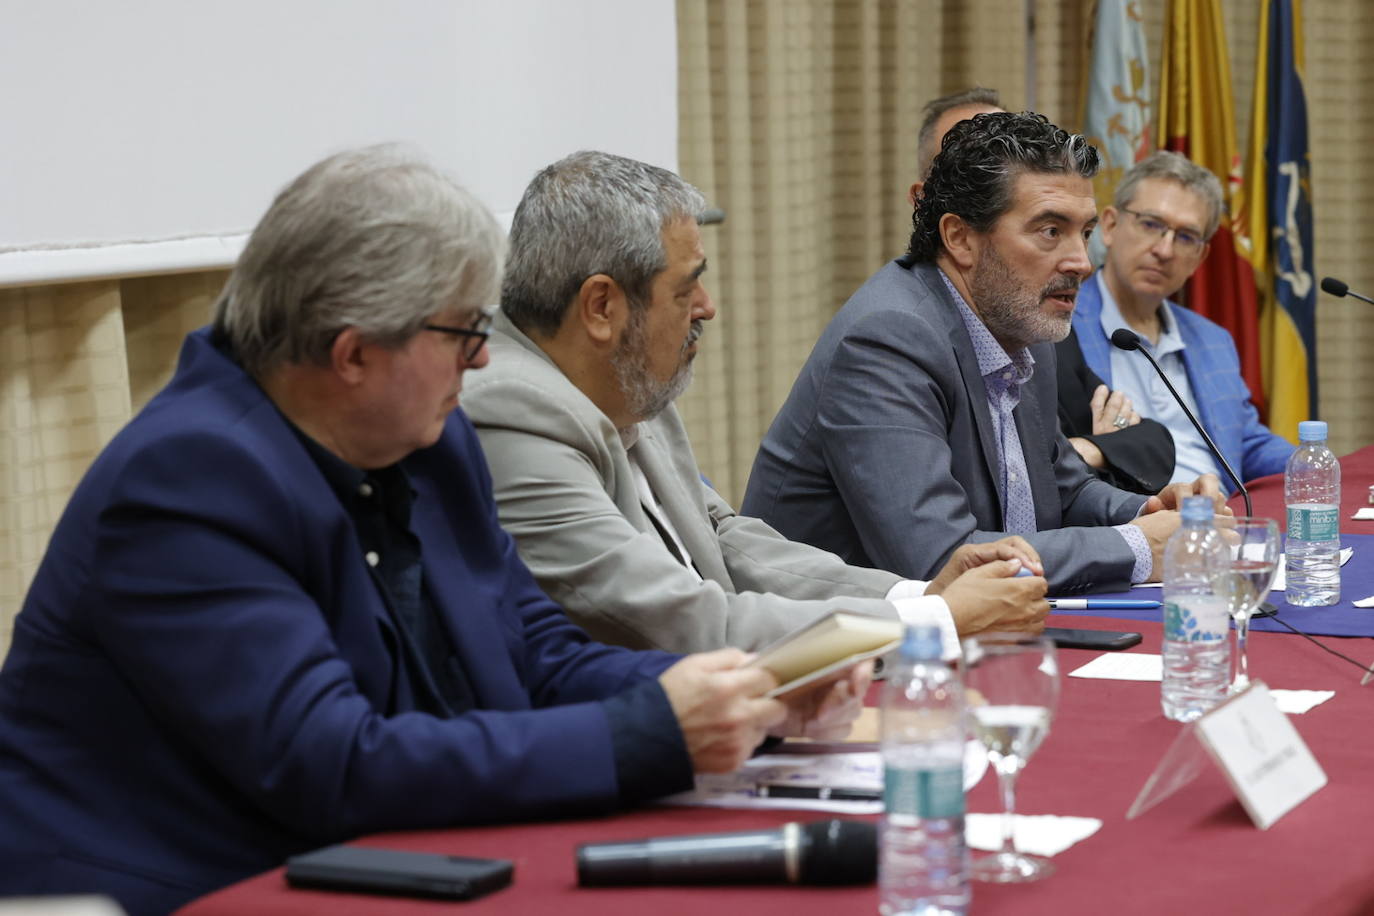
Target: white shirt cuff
x,y
930,610
907,588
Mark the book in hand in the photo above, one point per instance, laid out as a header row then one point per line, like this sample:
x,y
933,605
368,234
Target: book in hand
x,y
839,640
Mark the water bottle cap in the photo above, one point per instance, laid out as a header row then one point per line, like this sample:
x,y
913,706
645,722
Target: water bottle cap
x,y
1197,509
1312,431
921,642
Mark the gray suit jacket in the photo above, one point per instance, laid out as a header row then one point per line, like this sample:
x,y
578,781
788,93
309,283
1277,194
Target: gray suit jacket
x,y
884,451
565,491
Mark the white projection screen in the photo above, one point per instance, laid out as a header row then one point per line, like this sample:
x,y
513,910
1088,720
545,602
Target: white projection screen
x,y
149,136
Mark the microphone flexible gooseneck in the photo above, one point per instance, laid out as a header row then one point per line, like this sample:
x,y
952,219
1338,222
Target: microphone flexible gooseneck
x,y
1126,339
1338,289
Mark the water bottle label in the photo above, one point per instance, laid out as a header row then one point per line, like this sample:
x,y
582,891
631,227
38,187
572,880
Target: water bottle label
x,y
1201,618
1314,524
934,793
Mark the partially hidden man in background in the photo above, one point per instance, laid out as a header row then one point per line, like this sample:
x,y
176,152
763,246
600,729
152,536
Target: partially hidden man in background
x,y
278,611
1102,425
925,416
602,306
1156,233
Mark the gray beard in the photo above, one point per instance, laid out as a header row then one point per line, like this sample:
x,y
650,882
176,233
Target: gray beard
x,y
1012,316
645,396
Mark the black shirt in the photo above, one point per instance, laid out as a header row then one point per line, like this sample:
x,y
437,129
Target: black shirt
x,y
430,676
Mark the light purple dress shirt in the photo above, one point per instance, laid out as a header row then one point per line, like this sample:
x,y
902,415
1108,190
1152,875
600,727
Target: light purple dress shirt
x,y
1003,375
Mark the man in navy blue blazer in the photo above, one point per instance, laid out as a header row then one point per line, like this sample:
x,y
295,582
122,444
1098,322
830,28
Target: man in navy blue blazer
x,y
278,611
1156,234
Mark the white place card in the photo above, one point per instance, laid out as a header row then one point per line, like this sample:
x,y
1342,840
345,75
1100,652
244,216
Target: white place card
x,y
1261,754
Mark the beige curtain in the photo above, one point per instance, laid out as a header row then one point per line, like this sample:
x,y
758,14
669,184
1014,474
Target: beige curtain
x,y
75,361
798,118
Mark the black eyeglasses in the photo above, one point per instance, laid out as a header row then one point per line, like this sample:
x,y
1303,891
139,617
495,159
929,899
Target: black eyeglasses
x,y
1187,240
476,335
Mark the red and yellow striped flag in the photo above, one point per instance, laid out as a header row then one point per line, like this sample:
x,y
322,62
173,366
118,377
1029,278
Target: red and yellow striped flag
x,y
1197,119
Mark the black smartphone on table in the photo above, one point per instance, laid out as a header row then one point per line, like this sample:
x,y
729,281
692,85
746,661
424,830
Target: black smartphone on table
x,y
374,870
1104,640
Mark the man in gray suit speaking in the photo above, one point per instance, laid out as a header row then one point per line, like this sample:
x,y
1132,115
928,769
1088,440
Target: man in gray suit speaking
x,y
928,405
602,306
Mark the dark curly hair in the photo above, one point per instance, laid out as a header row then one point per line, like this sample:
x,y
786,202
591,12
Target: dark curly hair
x,y
973,173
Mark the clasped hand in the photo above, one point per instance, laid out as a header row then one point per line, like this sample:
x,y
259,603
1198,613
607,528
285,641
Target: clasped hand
x,y
980,585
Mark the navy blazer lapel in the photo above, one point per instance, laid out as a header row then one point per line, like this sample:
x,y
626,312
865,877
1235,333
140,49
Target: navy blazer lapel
x,y
474,624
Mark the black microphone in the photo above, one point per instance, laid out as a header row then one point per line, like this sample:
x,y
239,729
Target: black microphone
x,y
821,852
1338,289
1126,339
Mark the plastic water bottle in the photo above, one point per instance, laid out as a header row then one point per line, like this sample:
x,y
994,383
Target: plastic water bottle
x,y
1312,493
1197,647
923,868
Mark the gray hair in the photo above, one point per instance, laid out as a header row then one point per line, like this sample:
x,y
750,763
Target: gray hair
x,y
374,239
590,213
1179,168
935,109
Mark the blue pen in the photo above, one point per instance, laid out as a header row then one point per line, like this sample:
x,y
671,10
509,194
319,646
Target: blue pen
x,y
1101,604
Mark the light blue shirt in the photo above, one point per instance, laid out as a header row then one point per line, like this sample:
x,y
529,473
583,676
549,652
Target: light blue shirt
x,y
1133,375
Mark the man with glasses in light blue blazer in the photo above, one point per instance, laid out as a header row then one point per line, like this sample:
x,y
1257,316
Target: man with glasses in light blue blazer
x,y
1157,233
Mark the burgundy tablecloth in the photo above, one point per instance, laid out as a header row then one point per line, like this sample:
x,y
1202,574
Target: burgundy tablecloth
x,y
1195,853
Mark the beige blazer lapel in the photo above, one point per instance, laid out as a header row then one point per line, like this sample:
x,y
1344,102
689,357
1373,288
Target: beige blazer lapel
x,y
676,485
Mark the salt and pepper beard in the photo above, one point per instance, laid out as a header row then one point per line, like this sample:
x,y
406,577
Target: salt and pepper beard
x,y
1012,315
646,397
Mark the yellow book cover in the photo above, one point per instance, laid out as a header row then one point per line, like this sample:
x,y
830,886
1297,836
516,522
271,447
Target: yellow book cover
x,y
832,643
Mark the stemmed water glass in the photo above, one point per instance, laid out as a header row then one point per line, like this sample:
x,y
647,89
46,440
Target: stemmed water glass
x,y
1253,544
1013,689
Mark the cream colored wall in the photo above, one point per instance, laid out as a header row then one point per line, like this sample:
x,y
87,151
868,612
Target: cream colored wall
x,y
76,360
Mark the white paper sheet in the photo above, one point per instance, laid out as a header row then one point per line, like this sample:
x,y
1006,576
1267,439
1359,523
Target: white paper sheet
x,y
1123,666
1140,666
1297,702
1280,582
1037,834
